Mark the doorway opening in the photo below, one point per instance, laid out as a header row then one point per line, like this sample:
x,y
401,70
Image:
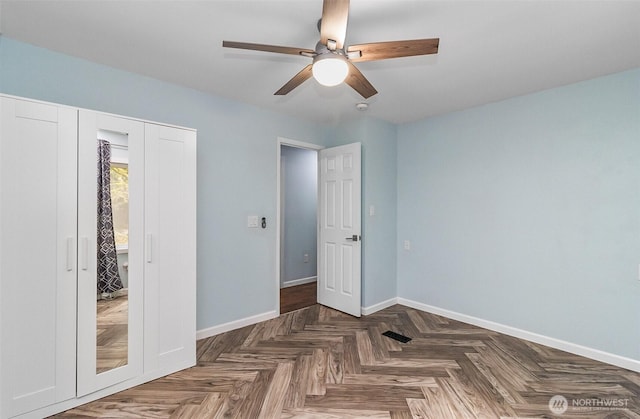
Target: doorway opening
x,y
297,237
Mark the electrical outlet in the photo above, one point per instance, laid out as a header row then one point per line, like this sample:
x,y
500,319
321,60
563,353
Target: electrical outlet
x,y
372,211
407,245
306,258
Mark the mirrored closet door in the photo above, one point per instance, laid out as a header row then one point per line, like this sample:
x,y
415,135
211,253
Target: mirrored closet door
x,y
110,250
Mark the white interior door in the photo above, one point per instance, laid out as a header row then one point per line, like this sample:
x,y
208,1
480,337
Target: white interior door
x,y
339,244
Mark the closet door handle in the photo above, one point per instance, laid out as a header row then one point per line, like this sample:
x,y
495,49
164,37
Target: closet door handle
x,y
84,254
148,249
69,254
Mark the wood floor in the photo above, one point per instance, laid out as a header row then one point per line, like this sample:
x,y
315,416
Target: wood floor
x,y
112,332
319,363
297,297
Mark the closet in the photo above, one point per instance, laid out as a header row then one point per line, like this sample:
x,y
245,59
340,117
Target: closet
x,y
97,254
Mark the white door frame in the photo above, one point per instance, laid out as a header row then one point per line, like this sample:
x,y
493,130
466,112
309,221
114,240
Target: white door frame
x,y
291,143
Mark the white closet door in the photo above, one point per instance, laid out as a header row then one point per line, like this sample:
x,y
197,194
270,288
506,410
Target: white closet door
x,y
38,146
91,376
170,254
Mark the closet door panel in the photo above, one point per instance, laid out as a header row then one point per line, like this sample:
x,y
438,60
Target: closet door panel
x,y
110,338
170,230
38,149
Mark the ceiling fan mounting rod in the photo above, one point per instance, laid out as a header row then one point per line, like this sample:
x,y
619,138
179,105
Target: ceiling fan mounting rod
x,y
322,49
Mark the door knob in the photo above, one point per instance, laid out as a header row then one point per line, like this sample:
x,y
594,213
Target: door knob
x,y
352,238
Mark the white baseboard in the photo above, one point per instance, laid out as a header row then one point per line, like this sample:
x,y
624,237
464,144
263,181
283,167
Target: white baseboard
x,y
380,306
301,281
236,324
598,355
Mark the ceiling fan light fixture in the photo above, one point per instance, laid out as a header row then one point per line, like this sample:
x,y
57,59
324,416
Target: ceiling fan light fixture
x,y
330,69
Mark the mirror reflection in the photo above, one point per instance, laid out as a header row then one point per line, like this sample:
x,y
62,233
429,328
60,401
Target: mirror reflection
x,y
112,331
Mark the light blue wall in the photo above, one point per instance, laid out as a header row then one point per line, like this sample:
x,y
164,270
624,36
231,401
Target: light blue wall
x,y
526,212
300,168
236,177
237,154
379,184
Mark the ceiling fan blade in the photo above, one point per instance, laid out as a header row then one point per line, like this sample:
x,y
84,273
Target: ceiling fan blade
x,y
296,81
269,48
333,26
359,82
393,49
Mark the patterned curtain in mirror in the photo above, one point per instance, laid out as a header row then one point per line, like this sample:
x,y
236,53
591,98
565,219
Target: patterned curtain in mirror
x,y
109,280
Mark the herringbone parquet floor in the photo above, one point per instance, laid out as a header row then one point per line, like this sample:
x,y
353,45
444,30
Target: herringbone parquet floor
x,y
320,363
112,333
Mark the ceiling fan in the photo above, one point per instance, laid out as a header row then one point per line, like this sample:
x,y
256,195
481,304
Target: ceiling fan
x,y
332,62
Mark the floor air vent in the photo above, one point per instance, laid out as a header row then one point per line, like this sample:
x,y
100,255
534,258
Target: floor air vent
x,y
396,336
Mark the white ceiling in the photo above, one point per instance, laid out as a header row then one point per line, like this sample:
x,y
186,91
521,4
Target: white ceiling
x,y
489,50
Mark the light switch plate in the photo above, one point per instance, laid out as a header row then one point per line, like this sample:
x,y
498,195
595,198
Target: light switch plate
x,y
252,221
